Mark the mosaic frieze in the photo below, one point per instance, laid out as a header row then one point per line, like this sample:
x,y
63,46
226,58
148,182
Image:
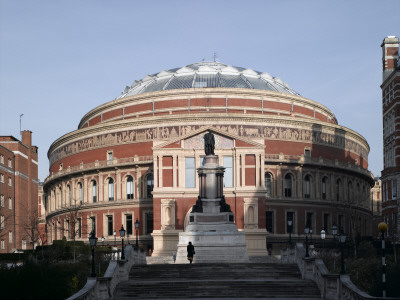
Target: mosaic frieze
x,y
166,133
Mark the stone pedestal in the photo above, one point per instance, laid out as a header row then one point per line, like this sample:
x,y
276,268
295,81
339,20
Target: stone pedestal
x,y
211,227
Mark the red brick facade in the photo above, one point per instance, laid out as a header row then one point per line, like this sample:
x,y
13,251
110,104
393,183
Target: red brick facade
x,y
18,192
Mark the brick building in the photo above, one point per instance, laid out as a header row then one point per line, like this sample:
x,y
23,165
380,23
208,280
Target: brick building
x,y
391,135
135,158
18,192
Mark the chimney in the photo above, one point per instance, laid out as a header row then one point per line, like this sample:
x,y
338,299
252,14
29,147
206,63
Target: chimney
x,y
27,138
390,55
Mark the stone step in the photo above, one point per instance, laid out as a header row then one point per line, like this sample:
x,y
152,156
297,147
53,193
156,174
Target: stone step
x,y
228,281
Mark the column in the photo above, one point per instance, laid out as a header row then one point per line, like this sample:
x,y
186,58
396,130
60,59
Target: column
x,y
155,168
279,181
137,183
160,171
262,165
174,170
257,156
237,168
243,175
118,184
101,192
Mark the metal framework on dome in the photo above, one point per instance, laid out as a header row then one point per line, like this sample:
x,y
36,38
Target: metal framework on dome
x,y
207,75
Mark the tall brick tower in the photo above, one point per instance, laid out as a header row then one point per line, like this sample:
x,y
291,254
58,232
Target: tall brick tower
x,y
18,192
391,136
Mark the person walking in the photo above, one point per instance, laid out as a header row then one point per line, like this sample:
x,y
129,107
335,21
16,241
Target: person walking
x,y
190,252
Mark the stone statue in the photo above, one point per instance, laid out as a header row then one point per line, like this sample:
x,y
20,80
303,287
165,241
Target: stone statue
x,y
209,143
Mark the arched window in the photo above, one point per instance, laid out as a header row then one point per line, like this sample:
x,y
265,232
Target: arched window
x,y
268,184
338,188
110,189
149,186
323,188
129,187
288,185
80,191
307,186
94,191
349,191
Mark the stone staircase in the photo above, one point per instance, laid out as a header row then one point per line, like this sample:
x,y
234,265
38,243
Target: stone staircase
x,y
229,281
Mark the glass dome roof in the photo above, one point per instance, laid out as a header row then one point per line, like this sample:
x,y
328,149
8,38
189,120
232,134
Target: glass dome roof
x,y
206,75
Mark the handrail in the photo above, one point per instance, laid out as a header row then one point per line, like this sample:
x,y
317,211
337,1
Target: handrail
x,y
102,288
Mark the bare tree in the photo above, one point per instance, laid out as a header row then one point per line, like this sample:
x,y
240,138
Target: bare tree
x,y
76,229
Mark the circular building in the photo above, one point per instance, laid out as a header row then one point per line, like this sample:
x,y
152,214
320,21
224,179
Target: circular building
x,y
288,164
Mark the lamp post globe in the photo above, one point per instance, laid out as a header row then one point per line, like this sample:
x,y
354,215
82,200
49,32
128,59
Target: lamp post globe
x,y
102,240
137,224
122,234
323,235
92,242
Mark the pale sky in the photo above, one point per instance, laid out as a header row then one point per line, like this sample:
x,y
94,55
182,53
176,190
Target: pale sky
x,y
60,59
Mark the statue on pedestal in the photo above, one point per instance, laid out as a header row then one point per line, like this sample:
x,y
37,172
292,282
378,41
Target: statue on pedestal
x,y
209,143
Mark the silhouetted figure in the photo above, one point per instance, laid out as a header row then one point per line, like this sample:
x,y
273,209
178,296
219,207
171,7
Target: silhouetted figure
x,y
209,143
190,252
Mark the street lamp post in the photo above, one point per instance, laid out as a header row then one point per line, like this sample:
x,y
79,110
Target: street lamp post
x,y
137,224
290,224
122,234
382,227
93,241
342,240
323,238
307,231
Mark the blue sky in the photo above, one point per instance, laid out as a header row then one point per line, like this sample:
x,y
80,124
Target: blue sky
x,y
60,59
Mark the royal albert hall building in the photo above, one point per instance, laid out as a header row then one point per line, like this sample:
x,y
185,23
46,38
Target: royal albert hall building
x,y
135,158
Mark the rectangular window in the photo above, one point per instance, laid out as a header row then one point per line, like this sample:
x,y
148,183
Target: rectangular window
x,y
2,178
149,223
190,172
9,163
340,223
289,217
80,193
2,200
129,224
109,156
23,244
67,229
2,245
94,191
394,189
326,223
10,204
307,153
79,228
93,221
9,181
2,159
228,175
309,221
110,225
10,237
2,222
270,221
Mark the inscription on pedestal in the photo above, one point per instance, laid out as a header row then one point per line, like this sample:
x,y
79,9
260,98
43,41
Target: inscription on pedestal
x,y
205,218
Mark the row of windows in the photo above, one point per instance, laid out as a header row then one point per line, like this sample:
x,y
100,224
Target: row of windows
x,y
2,204
310,222
110,229
2,161
130,190
390,156
288,187
389,125
2,179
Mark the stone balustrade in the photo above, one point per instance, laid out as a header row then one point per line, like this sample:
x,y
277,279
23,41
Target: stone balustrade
x,y
331,286
99,165
102,288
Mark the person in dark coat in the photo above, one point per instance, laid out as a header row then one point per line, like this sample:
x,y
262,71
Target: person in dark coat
x,y
190,252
